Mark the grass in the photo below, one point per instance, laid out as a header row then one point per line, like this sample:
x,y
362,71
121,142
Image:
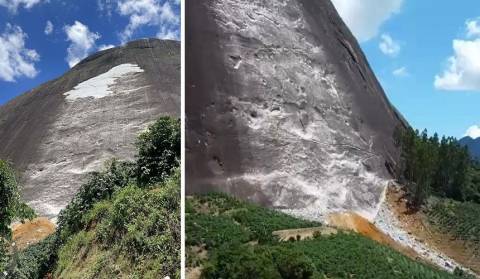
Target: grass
x,y
136,232
239,243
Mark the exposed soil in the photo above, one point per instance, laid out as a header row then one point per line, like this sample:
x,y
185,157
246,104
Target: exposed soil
x,y
193,273
199,253
416,223
32,232
354,222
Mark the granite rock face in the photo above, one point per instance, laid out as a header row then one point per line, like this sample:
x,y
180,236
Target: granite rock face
x,y
59,131
283,109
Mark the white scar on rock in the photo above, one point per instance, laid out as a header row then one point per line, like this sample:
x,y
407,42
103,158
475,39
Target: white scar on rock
x,y
99,86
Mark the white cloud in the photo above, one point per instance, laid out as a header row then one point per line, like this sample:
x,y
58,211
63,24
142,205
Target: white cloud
x,y
15,59
104,47
12,5
473,27
401,72
473,132
462,72
463,69
167,34
364,17
149,13
82,41
106,6
389,46
48,28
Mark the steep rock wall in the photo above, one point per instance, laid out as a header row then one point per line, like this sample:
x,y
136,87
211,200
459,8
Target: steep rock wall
x,y
283,108
56,133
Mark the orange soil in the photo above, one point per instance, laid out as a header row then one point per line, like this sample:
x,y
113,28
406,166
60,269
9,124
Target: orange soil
x,y
416,223
32,232
354,222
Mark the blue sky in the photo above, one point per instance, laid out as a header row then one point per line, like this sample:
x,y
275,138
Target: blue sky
x,y
417,39
408,43
31,53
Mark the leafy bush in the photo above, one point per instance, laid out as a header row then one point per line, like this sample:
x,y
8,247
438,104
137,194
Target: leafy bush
x,y
136,232
100,186
11,208
214,231
241,262
141,221
34,261
158,151
294,264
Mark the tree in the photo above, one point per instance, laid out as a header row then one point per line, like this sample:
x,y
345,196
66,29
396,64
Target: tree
x,y
11,208
432,166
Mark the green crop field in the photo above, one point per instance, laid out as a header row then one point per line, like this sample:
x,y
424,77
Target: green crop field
x,y
239,243
459,219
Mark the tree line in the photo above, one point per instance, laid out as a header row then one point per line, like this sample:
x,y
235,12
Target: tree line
x,y
431,165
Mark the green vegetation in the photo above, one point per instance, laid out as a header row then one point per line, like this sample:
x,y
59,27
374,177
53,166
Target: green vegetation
x,y
444,182
239,243
124,221
137,232
11,209
440,167
33,262
459,219
158,151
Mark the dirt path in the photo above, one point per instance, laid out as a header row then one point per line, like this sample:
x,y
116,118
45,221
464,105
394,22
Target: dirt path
x,y
32,232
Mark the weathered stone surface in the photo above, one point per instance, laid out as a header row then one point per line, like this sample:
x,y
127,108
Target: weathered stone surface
x,y
53,138
283,108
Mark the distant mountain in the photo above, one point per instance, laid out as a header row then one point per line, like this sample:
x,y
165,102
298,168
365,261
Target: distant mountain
x,y
473,146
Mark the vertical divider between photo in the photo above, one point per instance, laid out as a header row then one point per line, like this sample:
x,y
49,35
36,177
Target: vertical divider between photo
x,y
182,120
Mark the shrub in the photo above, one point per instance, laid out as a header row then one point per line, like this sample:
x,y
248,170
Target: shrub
x,y
11,208
138,227
241,261
293,264
158,151
34,261
100,186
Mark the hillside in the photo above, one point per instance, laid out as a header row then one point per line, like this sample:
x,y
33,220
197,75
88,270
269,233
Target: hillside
x,y
124,222
228,238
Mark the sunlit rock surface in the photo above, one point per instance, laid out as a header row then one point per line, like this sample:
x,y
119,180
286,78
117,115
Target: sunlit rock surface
x,y
283,108
67,127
